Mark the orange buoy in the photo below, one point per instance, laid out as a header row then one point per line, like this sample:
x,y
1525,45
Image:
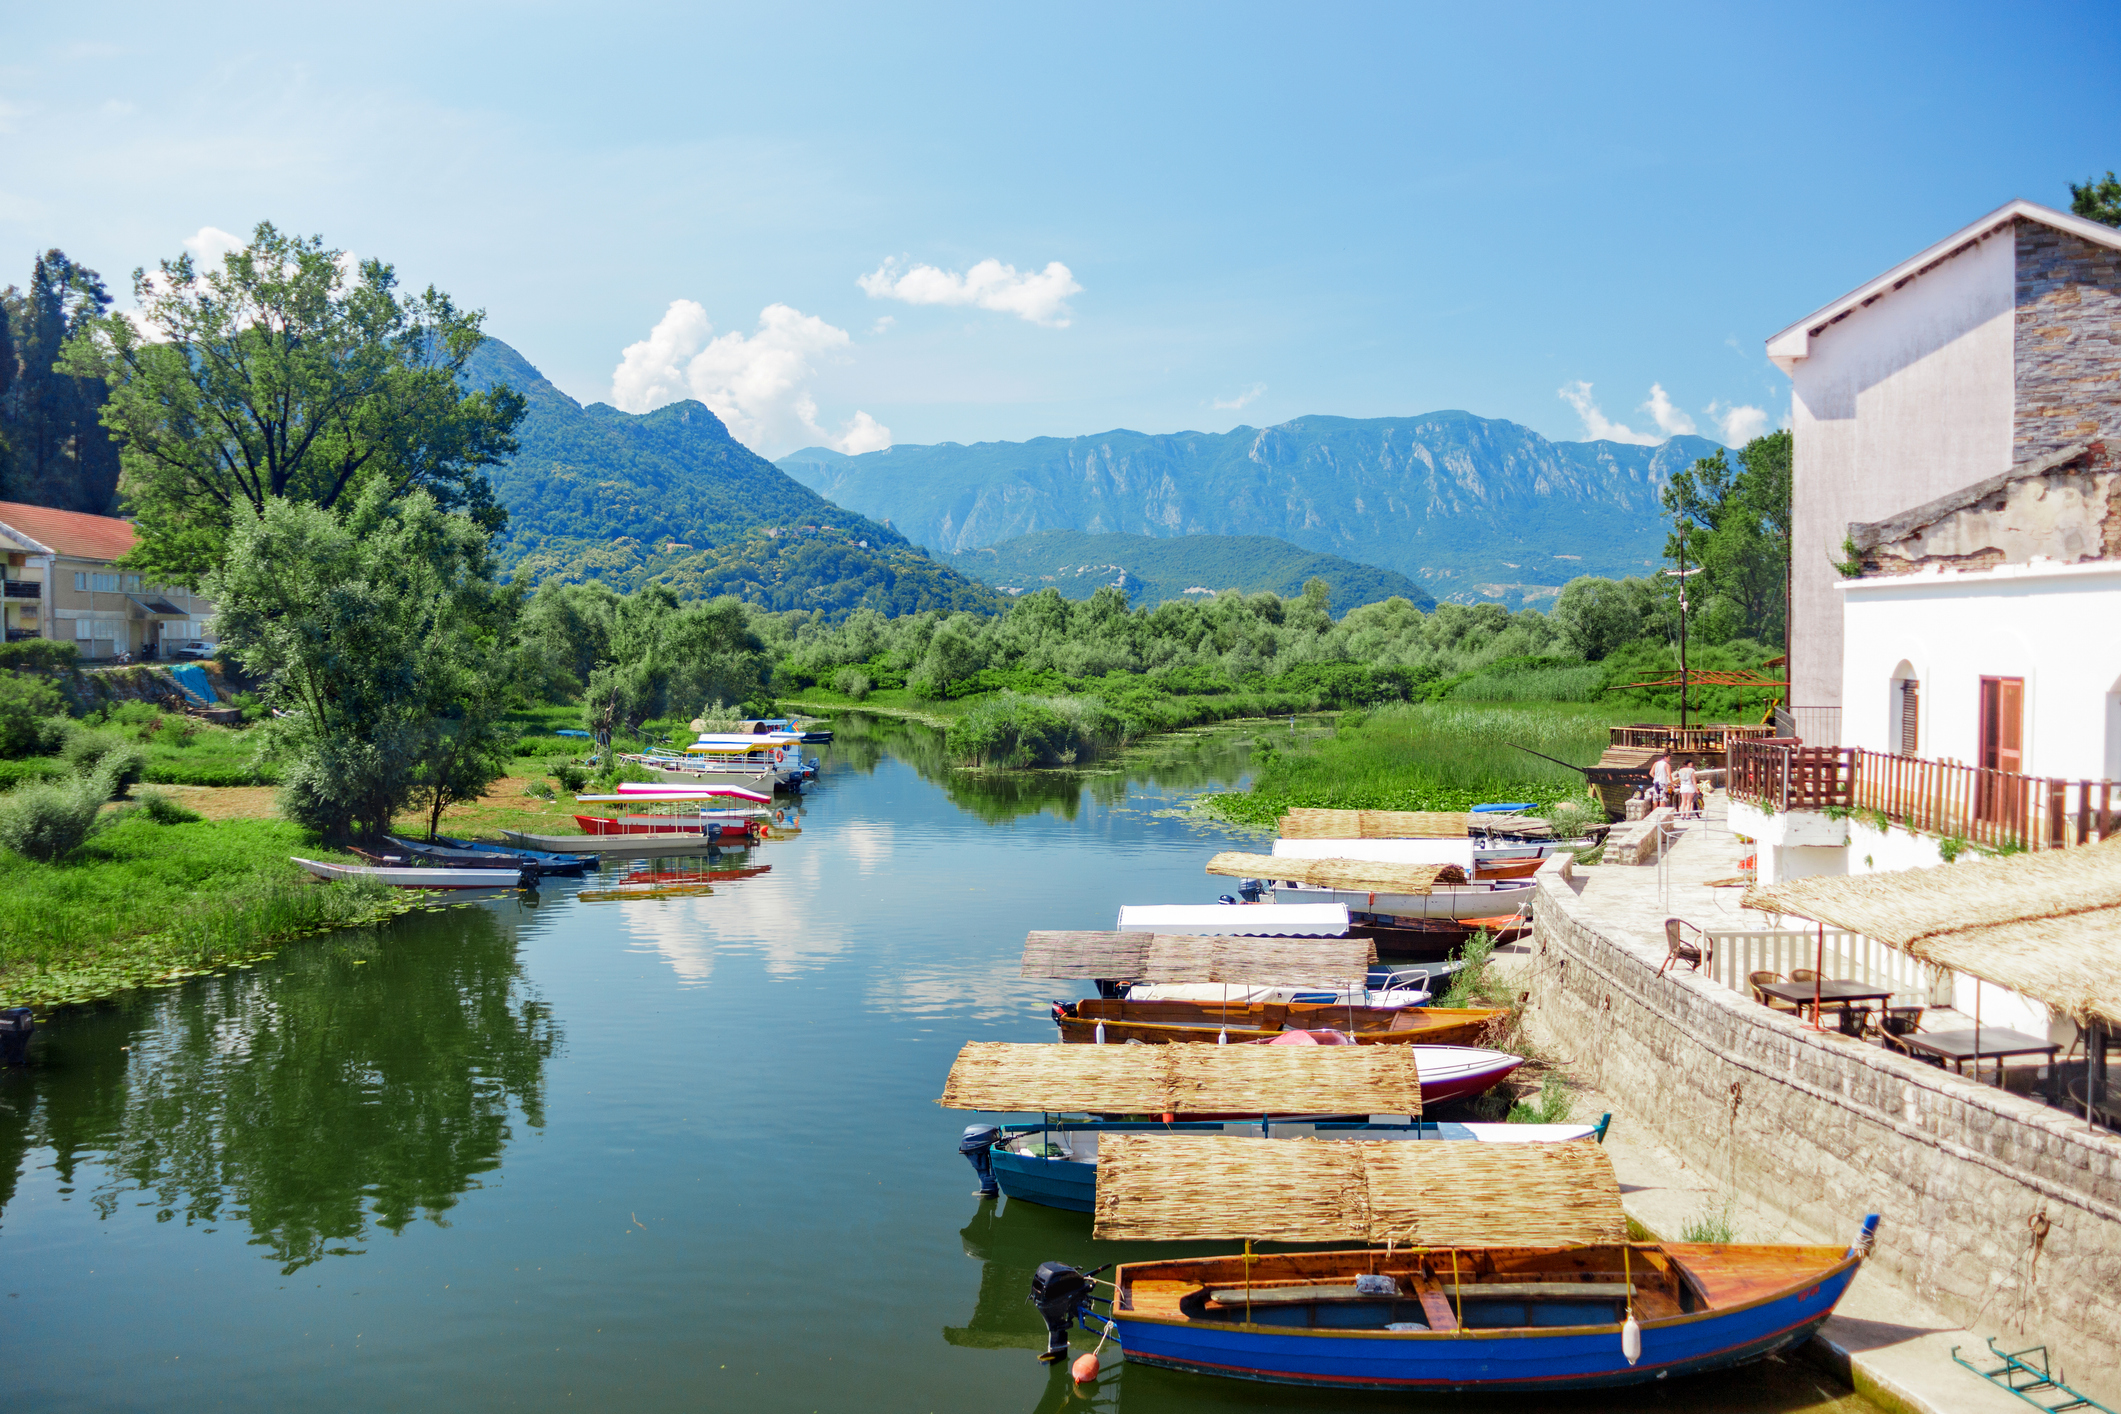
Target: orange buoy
x,y
1085,1369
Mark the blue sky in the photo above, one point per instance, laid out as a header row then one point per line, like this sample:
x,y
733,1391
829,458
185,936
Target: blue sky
x,y
1259,211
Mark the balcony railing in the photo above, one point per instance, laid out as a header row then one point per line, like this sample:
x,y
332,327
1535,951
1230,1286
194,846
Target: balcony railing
x,y
1993,809
1780,774
24,588
1660,737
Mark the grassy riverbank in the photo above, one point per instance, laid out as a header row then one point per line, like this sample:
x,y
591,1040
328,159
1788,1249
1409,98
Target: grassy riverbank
x,y
1428,756
144,902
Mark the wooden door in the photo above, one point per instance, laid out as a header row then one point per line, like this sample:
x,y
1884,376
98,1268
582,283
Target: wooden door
x,y
2002,744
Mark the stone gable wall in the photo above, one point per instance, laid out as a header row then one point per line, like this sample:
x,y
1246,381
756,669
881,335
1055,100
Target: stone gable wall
x,y
2002,1213
2068,343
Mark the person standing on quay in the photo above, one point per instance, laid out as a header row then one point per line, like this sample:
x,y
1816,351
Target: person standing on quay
x,y
1689,790
1661,779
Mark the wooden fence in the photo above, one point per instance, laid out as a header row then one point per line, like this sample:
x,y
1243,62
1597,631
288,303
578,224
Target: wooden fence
x,y
1691,740
1781,775
1735,956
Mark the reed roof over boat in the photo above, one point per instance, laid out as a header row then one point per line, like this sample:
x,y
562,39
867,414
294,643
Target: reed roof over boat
x,y
1309,824
2046,923
1190,957
1254,920
1179,1188
1365,876
1005,1076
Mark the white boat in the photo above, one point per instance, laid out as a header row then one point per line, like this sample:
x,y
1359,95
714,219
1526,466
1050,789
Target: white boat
x,y
640,846
674,790
1457,851
413,877
1446,903
1309,919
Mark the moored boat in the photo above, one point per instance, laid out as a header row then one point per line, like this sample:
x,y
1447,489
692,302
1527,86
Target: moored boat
x,y
643,846
1169,1022
413,877
545,856
447,856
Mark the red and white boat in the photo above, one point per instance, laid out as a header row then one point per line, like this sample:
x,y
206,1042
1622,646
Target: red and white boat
x,y
750,822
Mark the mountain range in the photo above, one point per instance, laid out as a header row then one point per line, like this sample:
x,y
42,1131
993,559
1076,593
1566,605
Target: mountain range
x,y
1477,509
670,497
1153,569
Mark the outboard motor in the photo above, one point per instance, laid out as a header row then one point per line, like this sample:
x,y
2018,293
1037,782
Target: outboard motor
x,y
977,1147
15,1026
1251,890
1061,1293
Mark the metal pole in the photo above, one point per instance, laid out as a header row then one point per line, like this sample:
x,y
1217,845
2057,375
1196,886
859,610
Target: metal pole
x,y
1818,966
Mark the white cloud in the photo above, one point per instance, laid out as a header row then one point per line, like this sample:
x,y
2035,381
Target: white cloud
x,y
882,324
1670,420
1250,394
210,246
1596,425
1737,424
1041,297
759,384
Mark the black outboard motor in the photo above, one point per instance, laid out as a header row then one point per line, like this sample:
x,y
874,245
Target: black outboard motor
x,y
1061,1293
1250,890
976,1146
15,1026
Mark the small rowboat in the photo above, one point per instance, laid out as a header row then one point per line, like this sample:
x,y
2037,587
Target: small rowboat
x,y
1055,1164
444,856
477,848
400,877
1160,1023
642,846
1478,1318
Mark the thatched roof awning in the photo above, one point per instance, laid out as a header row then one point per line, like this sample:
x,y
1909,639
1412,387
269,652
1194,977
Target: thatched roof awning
x,y
1177,1188
1455,851
1244,920
1188,957
2045,924
1001,1076
1362,876
1308,824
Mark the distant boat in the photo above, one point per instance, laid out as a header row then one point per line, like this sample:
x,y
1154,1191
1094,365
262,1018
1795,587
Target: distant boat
x,y
1164,1022
478,847
403,877
644,846
447,856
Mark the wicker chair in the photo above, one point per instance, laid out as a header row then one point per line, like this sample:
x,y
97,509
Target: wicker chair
x,y
1754,979
1678,949
1895,1022
1804,974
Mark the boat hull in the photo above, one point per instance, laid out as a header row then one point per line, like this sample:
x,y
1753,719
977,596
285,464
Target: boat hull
x,y
1576,1357
640,846
598,825
413,877
1445,904
1165,1023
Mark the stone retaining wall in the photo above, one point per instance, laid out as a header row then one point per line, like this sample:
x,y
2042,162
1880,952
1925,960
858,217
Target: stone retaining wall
x,y
2001,1213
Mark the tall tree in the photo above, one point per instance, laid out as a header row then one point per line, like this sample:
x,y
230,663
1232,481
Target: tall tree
x,y
2098,200
288,373
1734,522
60,453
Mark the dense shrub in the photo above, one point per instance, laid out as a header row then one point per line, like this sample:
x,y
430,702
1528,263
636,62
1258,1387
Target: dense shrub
x,y
39,653
1016,731
27,704
165,810
852,682
89,749
48,820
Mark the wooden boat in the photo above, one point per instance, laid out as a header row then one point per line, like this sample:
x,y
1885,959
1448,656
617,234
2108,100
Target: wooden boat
x,y
1480,1318
404,877
446,856
1054,1163
1485,872
480,847
1425,940
1478,900
1165,1022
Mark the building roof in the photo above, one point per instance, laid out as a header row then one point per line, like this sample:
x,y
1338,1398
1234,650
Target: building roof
x,y
2045,924
1794,343
75,534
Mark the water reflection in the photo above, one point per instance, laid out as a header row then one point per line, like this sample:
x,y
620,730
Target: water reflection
x,y
357,1082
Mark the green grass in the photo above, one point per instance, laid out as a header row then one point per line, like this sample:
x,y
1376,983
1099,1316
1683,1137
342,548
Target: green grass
x,y
1712,1224
1430,756
143,903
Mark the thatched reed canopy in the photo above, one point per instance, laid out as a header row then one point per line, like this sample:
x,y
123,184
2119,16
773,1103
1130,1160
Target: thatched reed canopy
x,y
1310,824
1176,1188
1051,1079
1362,876
1188,957
2046,924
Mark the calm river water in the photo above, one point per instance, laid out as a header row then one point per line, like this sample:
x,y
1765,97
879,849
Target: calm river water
x,y
653,1155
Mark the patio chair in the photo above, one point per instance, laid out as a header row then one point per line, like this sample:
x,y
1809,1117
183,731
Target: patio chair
x,y
1754,979
1895,1022
1805,974
1678,949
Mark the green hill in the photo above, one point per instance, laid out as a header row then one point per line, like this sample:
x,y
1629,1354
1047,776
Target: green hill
x,y
1152,569
1476,509
670,497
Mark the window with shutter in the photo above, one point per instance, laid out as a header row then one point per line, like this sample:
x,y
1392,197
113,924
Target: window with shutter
x,y
1910,717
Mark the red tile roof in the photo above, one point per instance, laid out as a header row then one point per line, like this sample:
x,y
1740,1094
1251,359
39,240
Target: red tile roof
x,y
72,533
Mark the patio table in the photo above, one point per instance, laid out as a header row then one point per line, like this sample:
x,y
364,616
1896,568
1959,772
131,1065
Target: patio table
x,y
1980,1042
1834,992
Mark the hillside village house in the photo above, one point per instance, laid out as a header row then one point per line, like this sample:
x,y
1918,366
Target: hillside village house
x,y
62,583
1955,645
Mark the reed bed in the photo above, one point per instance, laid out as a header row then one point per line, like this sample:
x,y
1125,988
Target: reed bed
x,y
1352,875
1187,957
1179,1188
1005,1077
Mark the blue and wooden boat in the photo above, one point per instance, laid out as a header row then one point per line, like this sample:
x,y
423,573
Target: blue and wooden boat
x,y
543,856
1480,1318
451,856
1055,1163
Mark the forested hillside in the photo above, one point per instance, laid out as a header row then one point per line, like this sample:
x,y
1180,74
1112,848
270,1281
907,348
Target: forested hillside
x,y
1152,569
669,497
1476,509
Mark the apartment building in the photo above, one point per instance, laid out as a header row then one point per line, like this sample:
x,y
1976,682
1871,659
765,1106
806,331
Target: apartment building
x,y
62,582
